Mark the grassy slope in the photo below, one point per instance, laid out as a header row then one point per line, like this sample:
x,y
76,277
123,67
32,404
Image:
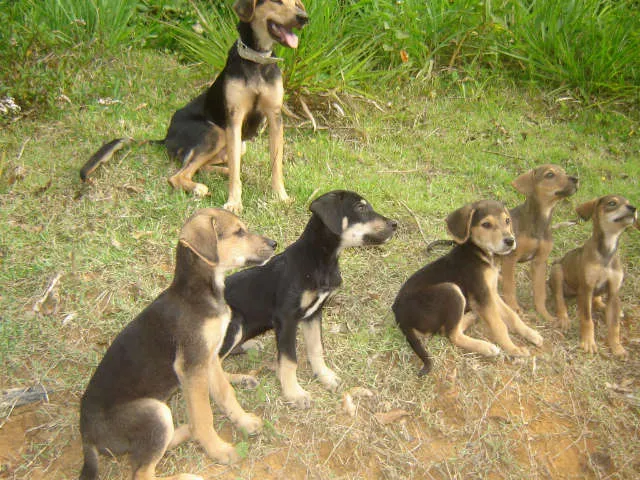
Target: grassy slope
x,y
426,154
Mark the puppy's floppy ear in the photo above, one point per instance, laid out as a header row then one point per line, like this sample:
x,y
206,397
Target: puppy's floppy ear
x,y
200,236
245,9
459,223
327,207
586,209
524,183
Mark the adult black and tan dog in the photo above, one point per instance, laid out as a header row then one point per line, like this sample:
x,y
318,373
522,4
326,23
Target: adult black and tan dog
x,y
212,127
293,286
437,296
173,343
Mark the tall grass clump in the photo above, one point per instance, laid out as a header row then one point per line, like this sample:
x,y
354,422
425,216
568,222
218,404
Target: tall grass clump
x,y
592,46
77,21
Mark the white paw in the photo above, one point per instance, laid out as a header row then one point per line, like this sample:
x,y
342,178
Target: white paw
x,y
535,338
250,423
200,190
329,379
301,399
233,207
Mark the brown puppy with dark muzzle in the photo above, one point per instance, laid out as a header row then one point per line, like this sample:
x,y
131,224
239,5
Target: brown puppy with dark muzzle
x,y
595,269
438,295
543,187
173,343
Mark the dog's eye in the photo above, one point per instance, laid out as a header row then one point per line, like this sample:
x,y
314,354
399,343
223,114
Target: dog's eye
x,y
507,221
240,233
279,2
486,225
612,203
549,175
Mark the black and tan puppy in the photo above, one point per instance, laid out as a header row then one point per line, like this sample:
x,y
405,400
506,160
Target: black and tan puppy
x,y
595,269
437,296
293,286
212,127
173,343
543,187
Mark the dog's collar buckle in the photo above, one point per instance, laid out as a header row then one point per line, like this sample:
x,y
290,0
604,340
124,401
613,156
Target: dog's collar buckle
x,y
263,58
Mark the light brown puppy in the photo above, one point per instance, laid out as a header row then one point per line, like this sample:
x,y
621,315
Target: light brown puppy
x,y
543,187
173,343
595,269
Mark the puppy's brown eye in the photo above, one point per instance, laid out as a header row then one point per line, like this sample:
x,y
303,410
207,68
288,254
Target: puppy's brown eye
x,y
612,203
549,175
240,233
507,221
486,225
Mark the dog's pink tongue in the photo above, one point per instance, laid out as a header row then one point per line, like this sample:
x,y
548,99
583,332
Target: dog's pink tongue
x,y
290,38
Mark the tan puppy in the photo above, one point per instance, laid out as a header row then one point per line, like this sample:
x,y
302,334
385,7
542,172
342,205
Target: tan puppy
x,y
594,269
543,187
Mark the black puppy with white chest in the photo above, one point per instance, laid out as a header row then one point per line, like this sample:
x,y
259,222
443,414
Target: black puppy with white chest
x,y
293,286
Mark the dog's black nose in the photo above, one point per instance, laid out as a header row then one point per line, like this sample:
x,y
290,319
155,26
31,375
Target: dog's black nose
x,y
509,241
302,18
272,243
574,180
394,225
631,207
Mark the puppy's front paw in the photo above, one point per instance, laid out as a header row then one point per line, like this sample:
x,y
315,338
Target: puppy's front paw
x,y
247,382
300,399
233,207
563,322
224,453
519,352
534,337
589,345
200,190
489,350
250,423
619,351
329,379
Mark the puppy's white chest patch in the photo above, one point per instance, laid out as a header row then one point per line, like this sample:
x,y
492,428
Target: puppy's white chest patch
x,y
214,330
311,301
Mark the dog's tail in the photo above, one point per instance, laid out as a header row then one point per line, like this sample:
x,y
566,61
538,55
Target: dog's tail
x,y
90,466
105,152
415,343
418,348
440,243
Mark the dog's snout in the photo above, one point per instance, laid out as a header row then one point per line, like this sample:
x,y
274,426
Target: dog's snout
x,y
574,180
272,243
631,208
394,225
509,241
302,18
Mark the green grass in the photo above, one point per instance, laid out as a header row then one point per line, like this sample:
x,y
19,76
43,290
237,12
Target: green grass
x,y
436,145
